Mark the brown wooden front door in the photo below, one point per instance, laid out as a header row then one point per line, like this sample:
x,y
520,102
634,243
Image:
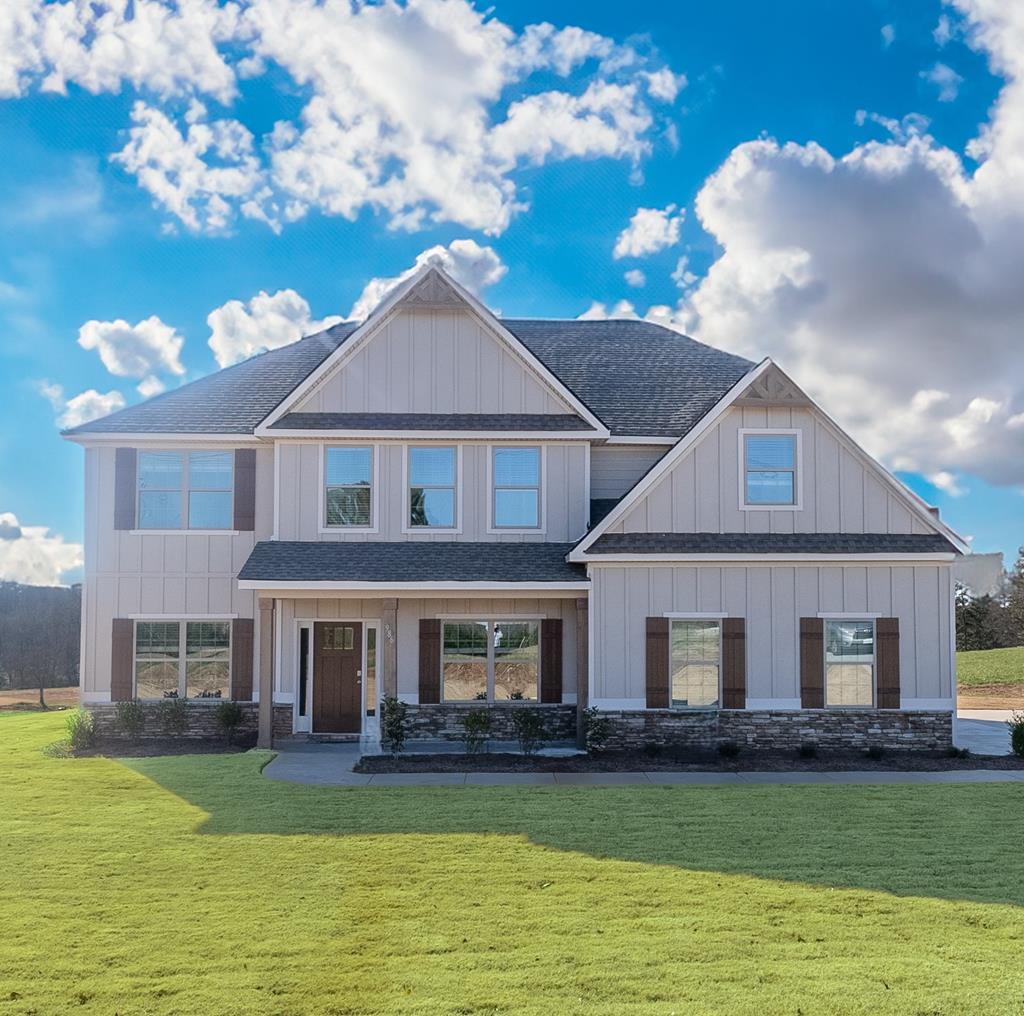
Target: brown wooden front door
x,y
337,677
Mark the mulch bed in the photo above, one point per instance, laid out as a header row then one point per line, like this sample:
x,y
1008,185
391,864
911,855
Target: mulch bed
x,y
679,761
151,746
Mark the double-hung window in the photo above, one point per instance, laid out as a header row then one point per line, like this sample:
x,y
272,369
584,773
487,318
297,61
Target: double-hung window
x,y
516,488
432,482
696,656
185,490
182,659
849,663
348,481
770,470
495,661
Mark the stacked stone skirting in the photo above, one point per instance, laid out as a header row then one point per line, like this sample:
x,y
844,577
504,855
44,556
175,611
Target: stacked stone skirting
x,y
200,720
443,722
768,730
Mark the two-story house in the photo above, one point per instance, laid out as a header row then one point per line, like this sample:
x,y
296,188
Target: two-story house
x,y
452,508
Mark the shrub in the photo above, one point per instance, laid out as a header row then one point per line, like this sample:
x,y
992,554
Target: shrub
x,y
130,718
477,726
529,728
394,724
875,752
597,728
230,716
728,749
172,716
954,752
81,728
808,749
1016,725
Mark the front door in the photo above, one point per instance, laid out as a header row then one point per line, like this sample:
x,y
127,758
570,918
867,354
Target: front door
x,y
337,677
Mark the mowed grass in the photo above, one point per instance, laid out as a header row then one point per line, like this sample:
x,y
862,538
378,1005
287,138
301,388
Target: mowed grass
x,y
195,885
990,666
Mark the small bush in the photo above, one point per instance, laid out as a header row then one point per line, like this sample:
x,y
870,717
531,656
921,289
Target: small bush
x,y
954,752
81,728
808,749
597,729
728,749
1016,725
529,728
875,752
130,718
476,725
394,724
230,716
172,716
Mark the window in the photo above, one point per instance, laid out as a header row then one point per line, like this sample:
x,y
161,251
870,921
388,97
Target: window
x,y
516,476
185,490
495,661
371,671
849,663
769,463
175,659
432,487
696,648
349,487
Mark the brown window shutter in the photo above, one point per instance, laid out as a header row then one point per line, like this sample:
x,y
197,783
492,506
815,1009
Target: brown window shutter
x,y
430,660
734,663
122,660
551,660
124,488
887,662
241,659
245,489
812,663
658,691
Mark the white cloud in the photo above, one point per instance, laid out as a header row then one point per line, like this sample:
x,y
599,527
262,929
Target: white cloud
x,y
888,35
946,482
240,330
146,348
635,278
82,408
945,79
473,266
598,311
649,231
150,386
943,31
664,85
34,556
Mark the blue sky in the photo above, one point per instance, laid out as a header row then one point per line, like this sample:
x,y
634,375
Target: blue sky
x,y
870,257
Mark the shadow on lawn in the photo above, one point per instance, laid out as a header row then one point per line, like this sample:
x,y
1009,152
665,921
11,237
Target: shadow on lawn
x,y
948,842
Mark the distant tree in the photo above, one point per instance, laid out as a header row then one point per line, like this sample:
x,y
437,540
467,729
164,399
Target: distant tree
x,y
978,621
1015,602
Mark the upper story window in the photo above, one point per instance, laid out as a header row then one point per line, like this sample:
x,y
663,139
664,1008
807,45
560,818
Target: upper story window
x,y
516,488
185,490
432,481
849,663
696,648
348,481
770,468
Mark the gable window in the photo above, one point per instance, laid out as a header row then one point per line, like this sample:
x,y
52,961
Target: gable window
x,y
182,659
490,661
185,490
348,482
696,654
770,469
516,488
849,663
432,487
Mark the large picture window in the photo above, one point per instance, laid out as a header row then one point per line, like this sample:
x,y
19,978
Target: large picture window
x,y
182,659
849,663
432,487
185,490
696,648
770,470
491,661
348,481
516,488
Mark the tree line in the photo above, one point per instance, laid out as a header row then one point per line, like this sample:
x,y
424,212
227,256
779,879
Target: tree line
x,y
992,622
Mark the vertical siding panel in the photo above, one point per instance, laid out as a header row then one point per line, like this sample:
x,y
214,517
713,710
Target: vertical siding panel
x,y
855,589
900,519
685,589
706,466
659,508
709,589
660,591
927,633
805,520
785,670
879,591
731,518
734,591
875,505
197,595
760,681
852,486
826,487
903,607
684,495
830,590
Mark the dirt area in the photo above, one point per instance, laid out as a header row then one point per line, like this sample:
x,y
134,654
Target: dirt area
x,y
991,696
668,761
28,698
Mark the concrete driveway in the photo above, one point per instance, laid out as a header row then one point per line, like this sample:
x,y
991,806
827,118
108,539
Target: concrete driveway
x,y
983,731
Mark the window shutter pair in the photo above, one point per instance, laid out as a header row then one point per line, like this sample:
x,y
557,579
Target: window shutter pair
x,y
125,484
812,662
734,663
550,660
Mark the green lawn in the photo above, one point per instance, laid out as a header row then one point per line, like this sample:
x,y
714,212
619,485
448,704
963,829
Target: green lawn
x,y
196,886
990,666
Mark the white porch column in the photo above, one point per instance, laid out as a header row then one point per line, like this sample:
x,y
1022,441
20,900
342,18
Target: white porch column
x,y
265,735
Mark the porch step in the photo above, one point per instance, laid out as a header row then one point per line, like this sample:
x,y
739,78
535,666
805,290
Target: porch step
x,y
333,738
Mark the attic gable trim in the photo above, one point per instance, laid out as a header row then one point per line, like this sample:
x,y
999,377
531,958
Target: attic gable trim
x,y
365,332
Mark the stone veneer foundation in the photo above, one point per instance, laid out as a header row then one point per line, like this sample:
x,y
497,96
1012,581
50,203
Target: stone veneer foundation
x,y
200,720
443,722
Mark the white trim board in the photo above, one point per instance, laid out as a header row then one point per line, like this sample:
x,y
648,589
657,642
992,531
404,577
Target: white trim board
x,y
157,438
753,560
382,588
440,436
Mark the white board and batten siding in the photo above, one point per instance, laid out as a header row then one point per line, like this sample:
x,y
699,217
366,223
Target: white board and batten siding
x,y
614,469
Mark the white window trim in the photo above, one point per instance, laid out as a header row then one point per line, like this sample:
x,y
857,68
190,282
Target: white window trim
x,y
798,471
542,491
855,616
182,620
408,529
374,526
184,490
694,616
491,622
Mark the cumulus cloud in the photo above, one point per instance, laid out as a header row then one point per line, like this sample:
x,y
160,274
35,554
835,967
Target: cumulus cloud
x,y
473,266
33,555
635,278
82,408
267,321
945,79
598,311
649,231
138,351
888,35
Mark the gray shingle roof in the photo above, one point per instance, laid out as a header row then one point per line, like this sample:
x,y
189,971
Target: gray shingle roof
x,y
771,543
639,378
432,421
411,562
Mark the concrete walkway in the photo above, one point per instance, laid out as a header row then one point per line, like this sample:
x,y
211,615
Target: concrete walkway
x,y
983,731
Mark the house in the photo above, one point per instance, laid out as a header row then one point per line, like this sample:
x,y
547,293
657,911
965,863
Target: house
x,y
454,508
